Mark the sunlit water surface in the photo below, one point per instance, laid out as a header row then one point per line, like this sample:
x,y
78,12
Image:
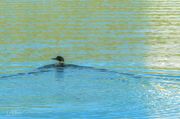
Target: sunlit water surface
x,y
136,41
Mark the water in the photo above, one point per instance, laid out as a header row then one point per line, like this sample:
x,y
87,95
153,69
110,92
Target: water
x,y
139,39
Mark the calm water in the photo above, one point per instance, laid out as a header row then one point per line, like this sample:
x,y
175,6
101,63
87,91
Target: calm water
x,y
139,39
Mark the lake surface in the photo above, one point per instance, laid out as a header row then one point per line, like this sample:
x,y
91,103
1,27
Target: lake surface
x,y
136,41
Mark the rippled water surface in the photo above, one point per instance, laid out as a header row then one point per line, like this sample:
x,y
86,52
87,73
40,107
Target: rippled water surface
x,y
137,41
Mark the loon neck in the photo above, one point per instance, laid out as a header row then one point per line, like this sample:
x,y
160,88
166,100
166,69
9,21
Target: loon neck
x,y
61,64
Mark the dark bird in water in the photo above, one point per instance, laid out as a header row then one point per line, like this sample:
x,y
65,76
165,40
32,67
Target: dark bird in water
x,y
60,60
59,64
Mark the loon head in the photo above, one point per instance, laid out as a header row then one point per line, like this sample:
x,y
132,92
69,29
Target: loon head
x,y
60,59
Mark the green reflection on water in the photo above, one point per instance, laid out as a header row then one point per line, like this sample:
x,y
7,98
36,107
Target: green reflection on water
x,y
110,34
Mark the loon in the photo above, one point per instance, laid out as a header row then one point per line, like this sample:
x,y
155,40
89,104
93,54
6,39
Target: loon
x,y
61,61
60,64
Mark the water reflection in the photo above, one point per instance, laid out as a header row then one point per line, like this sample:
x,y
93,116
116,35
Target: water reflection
x,y
94,35
88,92
131,37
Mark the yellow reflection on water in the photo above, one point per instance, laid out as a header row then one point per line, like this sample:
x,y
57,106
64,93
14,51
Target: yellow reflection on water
x,y
163,35
112,33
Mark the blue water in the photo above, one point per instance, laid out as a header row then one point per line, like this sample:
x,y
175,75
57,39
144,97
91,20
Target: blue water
x,y
81,92
136,42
